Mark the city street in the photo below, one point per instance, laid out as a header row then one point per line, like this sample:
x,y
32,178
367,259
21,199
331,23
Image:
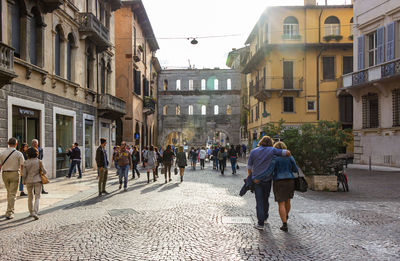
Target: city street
x,y
203,218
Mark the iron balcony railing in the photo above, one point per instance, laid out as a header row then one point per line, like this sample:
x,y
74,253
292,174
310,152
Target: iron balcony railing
x,y
95,30
149,105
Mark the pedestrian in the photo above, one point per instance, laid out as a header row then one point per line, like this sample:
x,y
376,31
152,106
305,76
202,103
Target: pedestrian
x,y
232,153
115,160
135,162
222,156
181,161
259,161
193,157
35,144
151,158
282,169
215,157
102,165
75,156
238,151
70,160
24,148
168,157
159,159
11,161
244,150
143,159
31,174
202,156
124,163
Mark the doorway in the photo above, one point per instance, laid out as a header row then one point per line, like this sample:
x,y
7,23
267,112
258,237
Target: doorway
x,y
25,124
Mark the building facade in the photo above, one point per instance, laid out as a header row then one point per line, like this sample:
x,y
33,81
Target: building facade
x,y
199,107
63,90
136,74
297,54
375,83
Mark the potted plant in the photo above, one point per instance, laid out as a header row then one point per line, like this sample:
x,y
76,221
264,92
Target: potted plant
x,y
329,38
351,37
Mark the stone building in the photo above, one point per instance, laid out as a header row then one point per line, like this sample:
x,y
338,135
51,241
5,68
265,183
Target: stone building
x,y
136,73
199,107
57,64
374,84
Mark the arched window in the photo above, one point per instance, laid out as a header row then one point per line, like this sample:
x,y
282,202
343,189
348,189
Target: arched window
x,y
178,110
203,84
216,108
102,76
165,110
178,85
229,84
190,85
165,85
15,28
215,84
70,46
290,27
351,26
35,41
190,110
332,26
57,52
203,110
228,110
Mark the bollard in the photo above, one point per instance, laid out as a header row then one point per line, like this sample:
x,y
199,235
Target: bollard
x,y
369,165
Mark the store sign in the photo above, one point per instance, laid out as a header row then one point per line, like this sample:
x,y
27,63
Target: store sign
x,y
26,112
137,136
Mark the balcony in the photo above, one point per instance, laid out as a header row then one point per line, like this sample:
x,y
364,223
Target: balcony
x,y
280,85
382,72
110,107
93,29
6,64
51,5
149,105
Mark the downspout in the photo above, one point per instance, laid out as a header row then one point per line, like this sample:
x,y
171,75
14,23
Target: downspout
x,y
318,56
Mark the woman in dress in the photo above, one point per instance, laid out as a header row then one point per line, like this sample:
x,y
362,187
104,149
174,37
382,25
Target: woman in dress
x,y
151,157
181,161
33,181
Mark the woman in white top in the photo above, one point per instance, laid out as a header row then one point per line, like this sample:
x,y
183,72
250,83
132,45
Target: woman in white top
x,y
202,156
151,157
31,178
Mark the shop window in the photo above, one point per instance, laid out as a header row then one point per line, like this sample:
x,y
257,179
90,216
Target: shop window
x,y
216,109
370,111
228,110
229,84
64,139
290,28
203,110
328,67
88,143
25,124
288,104
396,107
332,26
178,85
347,64
190,110
215,84
203,84
190,85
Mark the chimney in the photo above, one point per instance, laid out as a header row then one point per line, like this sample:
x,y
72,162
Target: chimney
x,y
310,2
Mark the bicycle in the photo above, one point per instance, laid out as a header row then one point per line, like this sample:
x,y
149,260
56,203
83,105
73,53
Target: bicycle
x,y
341,176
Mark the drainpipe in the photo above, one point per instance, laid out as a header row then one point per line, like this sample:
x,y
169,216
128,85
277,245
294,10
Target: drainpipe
x,y
318,56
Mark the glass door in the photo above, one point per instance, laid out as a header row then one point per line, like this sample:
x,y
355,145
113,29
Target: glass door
x,y
25,125
88,144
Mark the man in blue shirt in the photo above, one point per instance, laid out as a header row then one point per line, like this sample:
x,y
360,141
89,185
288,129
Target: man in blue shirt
x,y
258,163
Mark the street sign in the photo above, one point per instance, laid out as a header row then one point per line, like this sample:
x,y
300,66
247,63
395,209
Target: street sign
x,y
137,135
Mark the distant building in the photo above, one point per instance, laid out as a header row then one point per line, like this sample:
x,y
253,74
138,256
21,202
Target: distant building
x,y
199,107
297,54
375,82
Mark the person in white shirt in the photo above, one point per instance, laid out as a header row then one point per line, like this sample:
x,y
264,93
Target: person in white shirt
x,y
11,161
202,156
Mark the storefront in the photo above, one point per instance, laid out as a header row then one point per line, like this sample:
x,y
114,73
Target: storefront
x,y
25,124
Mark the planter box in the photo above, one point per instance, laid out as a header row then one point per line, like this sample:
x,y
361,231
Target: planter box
x,y
322,182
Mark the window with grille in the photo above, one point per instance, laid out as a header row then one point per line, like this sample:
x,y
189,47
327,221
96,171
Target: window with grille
x,y
396,107
370,110
288,105
328,67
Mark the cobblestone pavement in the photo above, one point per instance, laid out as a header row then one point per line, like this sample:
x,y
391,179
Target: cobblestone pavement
x,y
203,218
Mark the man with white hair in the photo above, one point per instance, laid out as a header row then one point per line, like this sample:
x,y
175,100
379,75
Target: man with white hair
x,y
35,144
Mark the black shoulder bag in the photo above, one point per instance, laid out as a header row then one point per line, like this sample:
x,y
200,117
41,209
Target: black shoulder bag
x,y
7,158
300,183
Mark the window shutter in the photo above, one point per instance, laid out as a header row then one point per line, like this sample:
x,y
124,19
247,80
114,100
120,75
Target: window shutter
x,y
380,36
390,42
360,52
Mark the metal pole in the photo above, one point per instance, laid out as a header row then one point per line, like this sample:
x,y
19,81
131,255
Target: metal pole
x,y
369,164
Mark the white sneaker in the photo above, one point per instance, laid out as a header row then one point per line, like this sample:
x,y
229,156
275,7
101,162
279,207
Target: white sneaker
x,y
259,227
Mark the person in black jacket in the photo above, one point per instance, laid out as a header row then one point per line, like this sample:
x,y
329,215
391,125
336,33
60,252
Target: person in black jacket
x,y
102,165
135,162
75,156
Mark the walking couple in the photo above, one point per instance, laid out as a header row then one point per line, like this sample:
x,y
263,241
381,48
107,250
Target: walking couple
x,y
270,162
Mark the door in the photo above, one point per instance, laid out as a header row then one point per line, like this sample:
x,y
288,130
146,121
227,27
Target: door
x,y
105,133
88,144
25,125
288,75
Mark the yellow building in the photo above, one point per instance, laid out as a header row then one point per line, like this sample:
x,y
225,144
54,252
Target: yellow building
x,y
297,55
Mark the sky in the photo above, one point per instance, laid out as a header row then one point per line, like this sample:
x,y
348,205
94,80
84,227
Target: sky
x,y
232,19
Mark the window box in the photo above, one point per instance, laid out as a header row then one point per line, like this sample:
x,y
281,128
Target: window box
x,y
329,38
291,37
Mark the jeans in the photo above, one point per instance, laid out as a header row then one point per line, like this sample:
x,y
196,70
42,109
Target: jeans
x,y
216,163
75,163
262,191
21,185
202,163
134,168
233,164
123,172
116,167
222,165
